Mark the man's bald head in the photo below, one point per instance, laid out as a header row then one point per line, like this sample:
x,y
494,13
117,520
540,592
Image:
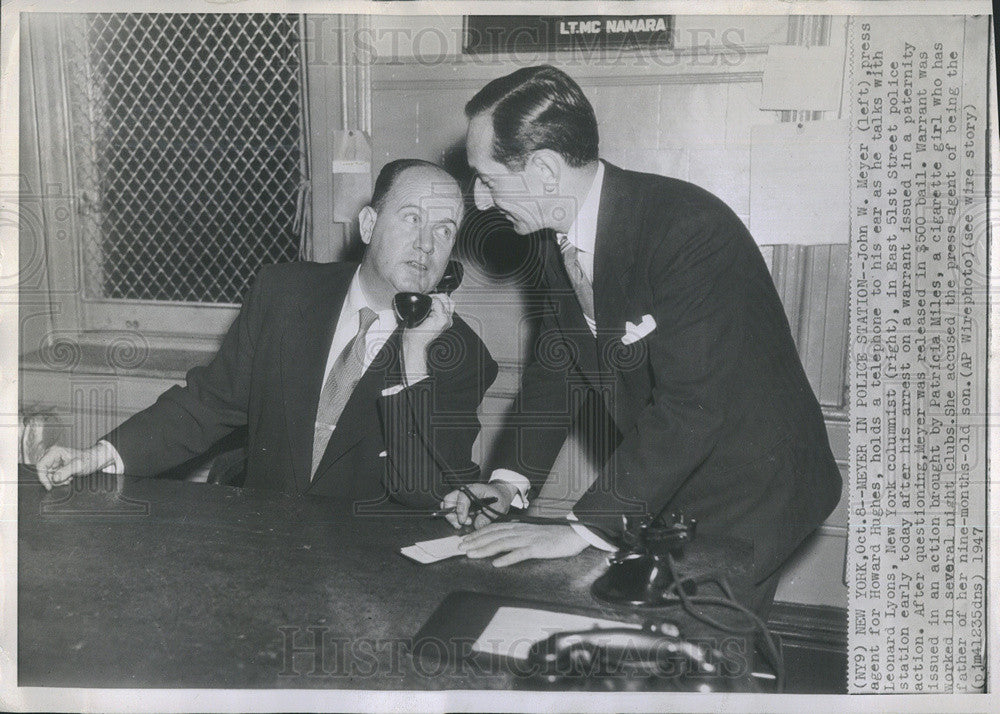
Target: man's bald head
x,y
441,179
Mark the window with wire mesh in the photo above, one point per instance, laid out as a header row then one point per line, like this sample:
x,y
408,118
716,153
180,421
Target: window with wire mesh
x,y
189,145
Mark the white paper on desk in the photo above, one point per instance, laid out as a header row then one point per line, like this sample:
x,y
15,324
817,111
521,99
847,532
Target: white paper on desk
x,y
431,551
797,77
513,630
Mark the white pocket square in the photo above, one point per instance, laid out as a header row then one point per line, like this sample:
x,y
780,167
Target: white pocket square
x,y
634,333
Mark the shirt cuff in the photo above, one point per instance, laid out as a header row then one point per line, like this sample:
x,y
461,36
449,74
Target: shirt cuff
x,y
118,466
396,389
517,481
589,535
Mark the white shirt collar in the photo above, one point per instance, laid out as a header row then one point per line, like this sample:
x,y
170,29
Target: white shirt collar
x,y
357,298
349,321
583,232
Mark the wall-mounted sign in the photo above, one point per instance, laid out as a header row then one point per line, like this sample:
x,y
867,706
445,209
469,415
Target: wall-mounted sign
x,y
490,34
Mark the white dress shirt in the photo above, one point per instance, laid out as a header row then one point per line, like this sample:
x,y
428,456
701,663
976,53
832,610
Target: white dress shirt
x,y
583,235
348,323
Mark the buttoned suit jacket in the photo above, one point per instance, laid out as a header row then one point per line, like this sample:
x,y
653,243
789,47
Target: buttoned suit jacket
x,y
413,446
715,416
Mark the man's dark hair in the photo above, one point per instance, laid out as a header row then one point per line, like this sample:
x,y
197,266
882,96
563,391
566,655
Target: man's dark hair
x,y
388,175
537,108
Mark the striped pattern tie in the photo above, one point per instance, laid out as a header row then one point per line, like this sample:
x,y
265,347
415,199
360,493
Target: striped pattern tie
x,y
340,383
581,285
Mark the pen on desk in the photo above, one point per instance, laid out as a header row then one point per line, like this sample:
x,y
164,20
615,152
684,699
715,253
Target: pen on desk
x,y
475,507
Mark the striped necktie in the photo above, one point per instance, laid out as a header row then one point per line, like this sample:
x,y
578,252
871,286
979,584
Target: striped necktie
x,y
581,285
340,383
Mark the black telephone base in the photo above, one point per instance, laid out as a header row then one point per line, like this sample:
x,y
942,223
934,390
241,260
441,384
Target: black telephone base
x,y
637,581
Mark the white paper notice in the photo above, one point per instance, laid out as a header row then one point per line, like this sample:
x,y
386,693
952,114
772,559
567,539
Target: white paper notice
x,y
352,152
513,630
797,77
431,551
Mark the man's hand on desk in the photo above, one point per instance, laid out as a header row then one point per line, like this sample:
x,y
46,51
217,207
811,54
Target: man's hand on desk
x,y
60,464
502,491
522,541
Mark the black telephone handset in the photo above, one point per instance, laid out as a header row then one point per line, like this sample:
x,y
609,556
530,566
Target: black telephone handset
x,y
654,656
413,308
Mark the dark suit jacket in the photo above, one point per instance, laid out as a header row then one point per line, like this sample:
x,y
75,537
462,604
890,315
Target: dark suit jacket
x,y
267,376
715,416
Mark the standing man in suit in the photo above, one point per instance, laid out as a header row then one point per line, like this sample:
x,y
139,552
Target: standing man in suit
x,y
336,397
660,302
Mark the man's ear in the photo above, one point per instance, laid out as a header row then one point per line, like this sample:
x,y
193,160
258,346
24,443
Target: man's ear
x,y
366,223
548,164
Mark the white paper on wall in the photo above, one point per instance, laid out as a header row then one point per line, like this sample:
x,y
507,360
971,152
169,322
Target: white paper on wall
x,y
799,186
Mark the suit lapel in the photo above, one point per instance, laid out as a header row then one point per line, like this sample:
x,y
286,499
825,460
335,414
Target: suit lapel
x,y
305,347
617,222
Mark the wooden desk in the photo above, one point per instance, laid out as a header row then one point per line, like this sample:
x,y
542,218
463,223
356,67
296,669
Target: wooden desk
x,y
155,583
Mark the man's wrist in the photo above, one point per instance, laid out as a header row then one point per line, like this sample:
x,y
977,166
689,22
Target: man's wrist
x,y
414,362
517,482
509,490
589,536
106,458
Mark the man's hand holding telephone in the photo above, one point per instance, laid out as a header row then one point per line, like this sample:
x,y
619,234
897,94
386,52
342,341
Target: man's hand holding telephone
x,y
424,317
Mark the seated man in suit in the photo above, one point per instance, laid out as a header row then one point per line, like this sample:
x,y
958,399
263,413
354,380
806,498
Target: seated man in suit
x,y
337,399
662,306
